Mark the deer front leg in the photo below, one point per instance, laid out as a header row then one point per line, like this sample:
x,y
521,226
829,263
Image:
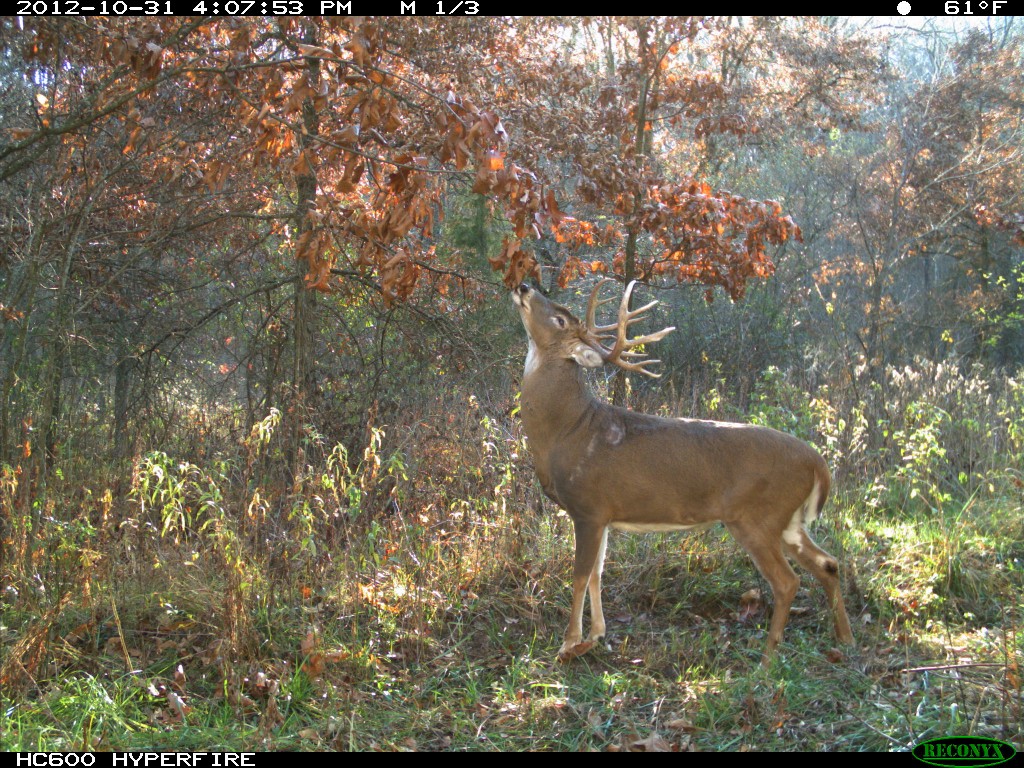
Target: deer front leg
x,y
586,574
597,625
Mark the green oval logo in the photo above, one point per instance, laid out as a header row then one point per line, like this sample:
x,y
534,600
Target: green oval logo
x,y
959,751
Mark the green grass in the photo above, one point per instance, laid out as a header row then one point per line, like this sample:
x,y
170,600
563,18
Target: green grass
x,y
417,663
418,605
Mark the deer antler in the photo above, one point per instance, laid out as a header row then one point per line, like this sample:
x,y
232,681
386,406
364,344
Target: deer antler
x,y
623,346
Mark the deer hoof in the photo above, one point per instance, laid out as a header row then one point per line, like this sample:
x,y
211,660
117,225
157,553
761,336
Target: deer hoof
x,y
570,651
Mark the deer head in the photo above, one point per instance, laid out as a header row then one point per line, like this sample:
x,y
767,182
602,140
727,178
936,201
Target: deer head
x,y
556,327
610,467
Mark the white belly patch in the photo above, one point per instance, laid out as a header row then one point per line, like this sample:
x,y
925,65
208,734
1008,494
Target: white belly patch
x,y
660,527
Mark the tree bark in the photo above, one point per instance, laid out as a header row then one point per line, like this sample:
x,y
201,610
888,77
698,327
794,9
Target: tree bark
x,y
304,313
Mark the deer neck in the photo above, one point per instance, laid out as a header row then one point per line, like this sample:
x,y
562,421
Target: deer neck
x,y
555,402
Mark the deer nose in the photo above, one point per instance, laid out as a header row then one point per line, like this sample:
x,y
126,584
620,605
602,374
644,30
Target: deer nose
x,y
523,289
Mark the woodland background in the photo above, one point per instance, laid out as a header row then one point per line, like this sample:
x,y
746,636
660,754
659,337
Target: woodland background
x,y
262,481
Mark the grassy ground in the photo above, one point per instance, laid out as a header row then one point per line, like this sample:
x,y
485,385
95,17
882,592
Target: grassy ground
x,y
388,603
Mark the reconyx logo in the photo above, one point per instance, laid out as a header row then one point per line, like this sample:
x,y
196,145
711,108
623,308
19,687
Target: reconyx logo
x,y
958,751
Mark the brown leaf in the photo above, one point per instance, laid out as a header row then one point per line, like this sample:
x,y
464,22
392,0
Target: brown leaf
x,y
653,743
179,677
495,160
681,724
315,51
751,605
835,656
301,166
177,705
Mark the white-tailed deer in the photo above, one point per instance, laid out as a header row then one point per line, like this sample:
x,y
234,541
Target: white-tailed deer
x,y
609,467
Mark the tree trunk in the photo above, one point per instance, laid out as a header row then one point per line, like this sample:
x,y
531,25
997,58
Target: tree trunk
x,y
122,389
641,151
304,317
60,340
13,346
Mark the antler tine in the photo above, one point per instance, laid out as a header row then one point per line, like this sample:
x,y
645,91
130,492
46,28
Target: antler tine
x,y
623,347
593,304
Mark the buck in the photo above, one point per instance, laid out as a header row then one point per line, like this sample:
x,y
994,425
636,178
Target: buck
x,y
609,467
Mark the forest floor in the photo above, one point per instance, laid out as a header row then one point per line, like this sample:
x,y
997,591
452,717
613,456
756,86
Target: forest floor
x,y
387,604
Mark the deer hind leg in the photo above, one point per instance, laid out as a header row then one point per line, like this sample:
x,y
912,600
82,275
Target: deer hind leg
x,y
825,569
765,549
586,574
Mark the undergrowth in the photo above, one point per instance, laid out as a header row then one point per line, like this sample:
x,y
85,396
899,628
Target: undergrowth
x,y
411,595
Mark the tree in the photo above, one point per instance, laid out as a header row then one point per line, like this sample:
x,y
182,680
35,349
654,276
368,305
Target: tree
x,y
922,195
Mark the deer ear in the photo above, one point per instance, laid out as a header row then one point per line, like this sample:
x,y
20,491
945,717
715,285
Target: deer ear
x,y
586,356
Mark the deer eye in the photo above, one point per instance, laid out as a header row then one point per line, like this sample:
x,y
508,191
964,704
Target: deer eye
x,y
559,321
